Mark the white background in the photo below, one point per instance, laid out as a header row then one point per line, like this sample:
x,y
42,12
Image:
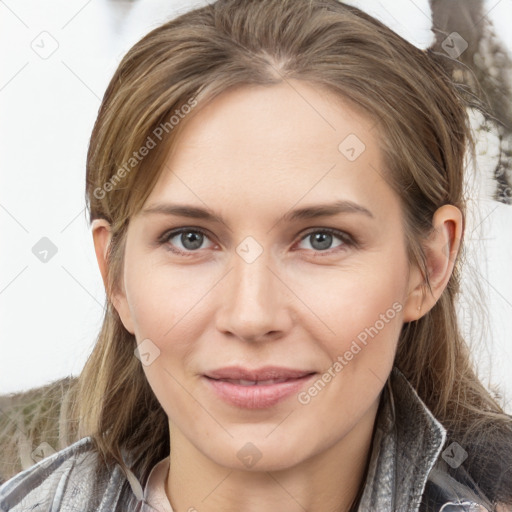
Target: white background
x,y
51,312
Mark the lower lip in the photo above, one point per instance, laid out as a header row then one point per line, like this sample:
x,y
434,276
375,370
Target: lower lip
x,y
257,397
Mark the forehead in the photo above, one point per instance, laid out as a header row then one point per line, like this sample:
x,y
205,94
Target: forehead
x,y
299,115
281,144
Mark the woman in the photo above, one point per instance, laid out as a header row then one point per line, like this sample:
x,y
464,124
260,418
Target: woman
x,y
275,191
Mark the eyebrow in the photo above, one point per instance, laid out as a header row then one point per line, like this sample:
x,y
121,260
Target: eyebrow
x,y
308,212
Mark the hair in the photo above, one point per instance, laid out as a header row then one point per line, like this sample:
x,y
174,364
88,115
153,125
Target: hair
x,y
424,134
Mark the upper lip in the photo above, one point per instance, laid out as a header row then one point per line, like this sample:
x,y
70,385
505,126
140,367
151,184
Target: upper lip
x,y
264,373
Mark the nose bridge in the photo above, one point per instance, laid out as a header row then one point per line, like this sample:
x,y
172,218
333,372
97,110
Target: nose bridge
x,y
252,305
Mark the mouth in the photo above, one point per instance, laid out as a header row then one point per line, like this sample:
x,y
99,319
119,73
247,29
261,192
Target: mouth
x,y
256,389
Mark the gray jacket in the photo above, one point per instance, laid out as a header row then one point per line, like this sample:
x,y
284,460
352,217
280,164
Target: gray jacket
x,y
407,471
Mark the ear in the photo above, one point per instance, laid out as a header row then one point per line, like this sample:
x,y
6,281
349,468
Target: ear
x,y
441,249
102,236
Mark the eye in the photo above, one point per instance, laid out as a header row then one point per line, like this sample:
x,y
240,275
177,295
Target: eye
x,y
190,239
186,241
321,239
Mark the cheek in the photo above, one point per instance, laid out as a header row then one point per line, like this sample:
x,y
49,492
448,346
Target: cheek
x,y
359,306
165,304
162,305
363,311
161,298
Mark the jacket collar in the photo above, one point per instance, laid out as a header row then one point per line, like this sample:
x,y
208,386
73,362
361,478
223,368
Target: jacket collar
x,y
406,444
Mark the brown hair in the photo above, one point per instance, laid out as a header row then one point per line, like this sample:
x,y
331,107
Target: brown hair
x,y
425,134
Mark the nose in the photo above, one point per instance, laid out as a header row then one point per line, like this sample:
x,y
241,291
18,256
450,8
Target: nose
x,y
254,304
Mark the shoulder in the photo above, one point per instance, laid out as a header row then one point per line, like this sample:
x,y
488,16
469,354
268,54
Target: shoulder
x,y
455,491
70,476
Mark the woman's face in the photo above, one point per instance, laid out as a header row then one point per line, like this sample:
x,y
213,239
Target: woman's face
x,y
275,283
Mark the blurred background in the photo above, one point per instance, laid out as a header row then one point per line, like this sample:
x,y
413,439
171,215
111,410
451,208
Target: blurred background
x,y
57,59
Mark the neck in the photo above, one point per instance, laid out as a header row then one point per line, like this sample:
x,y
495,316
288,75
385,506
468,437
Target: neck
x,y
327,481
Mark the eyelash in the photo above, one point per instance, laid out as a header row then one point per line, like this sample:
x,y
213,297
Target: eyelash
x,y
347,239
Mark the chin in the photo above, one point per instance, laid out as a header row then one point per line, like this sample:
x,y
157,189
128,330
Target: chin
x,y
260,456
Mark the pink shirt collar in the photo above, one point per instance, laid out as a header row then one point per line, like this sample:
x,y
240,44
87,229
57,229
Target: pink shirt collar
x,y
154,492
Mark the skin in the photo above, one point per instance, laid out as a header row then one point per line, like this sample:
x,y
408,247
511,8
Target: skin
x,y
298,304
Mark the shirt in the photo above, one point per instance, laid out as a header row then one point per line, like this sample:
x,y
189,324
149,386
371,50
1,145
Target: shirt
x,y
154,492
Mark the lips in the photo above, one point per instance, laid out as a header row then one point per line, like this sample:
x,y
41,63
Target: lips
x,y
256,389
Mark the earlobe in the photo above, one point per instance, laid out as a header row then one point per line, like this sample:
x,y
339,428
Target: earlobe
x,y
413,308
441,249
